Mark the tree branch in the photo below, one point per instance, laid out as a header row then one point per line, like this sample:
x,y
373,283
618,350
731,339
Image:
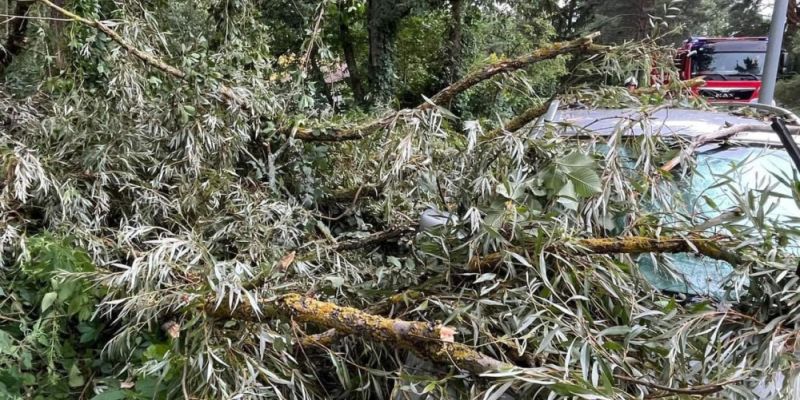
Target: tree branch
x,y
701,140
374,239
583,45
429,340
703,390
147,58
368,241
626,245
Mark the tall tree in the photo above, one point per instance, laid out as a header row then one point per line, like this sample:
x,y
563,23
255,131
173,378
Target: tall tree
x,y
15,41
349,51
383,18
455,43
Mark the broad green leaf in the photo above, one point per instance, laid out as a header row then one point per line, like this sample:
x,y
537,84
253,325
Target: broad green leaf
x,y
587,182
48,299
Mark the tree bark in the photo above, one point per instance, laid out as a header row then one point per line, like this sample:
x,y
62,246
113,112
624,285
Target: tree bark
x,y
383,18
582,45
429,340
626,245
455,46
319,76
16,39
355,80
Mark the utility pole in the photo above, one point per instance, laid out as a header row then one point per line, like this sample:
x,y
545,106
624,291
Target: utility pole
x,y
770,75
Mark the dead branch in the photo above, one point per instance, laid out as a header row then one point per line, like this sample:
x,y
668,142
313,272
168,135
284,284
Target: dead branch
x,y
626,245
15,41
703,390
584,45
673,86
429,340
375,238
717,136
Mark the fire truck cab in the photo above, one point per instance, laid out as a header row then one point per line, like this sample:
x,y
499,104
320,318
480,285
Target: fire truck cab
x,y
731,67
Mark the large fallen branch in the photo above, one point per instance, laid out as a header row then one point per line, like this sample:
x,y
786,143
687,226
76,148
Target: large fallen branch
x,y
519,121
625,245
584,45
429,340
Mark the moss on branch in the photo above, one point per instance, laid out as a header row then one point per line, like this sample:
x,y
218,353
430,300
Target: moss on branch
x,y
626,245
429,340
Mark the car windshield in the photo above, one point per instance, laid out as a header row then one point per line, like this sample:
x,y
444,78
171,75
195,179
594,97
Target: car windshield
x,y
705,63
723,180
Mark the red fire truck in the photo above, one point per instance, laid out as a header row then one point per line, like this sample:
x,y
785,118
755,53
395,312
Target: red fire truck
x,y
731,67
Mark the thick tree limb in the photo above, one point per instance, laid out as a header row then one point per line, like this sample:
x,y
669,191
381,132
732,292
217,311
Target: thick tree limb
x,y
429,340
519,121
583,45
15,41
627,245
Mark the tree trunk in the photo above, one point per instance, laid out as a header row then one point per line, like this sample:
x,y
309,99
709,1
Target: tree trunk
x,y
319,77
383,17
452,62
793,17
15,41
350,56
565,25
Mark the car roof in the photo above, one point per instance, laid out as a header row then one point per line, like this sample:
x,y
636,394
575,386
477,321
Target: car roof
x,y
665,121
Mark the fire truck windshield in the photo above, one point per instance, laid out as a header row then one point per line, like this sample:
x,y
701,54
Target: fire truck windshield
x,y
728,64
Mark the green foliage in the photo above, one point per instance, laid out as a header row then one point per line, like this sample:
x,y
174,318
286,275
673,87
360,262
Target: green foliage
x,y
786,93
48,342
164,197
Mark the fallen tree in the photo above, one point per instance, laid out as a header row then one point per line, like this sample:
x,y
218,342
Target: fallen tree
x,y
165,239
